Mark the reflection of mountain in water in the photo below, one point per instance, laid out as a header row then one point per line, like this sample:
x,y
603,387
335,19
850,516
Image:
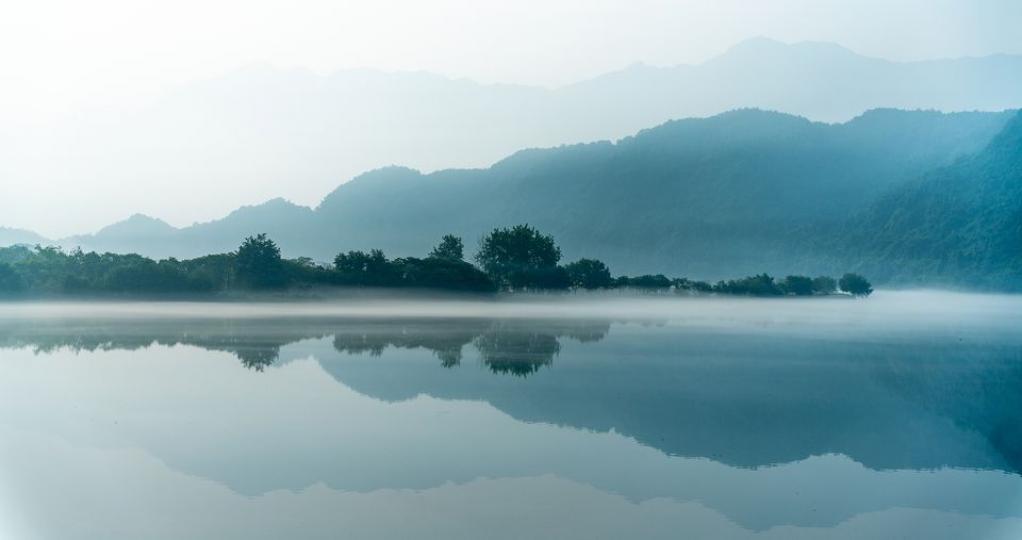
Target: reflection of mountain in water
x,y
746,400
981,395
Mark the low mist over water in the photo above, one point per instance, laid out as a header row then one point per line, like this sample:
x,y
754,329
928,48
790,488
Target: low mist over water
x,y
595,416
886,312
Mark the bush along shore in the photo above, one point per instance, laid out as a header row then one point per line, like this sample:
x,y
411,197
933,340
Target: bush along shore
x,y
512,259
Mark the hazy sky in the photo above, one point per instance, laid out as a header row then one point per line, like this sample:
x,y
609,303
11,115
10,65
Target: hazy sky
x,y
54,53
58,56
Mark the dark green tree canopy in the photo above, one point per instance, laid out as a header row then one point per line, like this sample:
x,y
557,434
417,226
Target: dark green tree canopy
x,y
442,273
356,262
824,285
546,278
520,250
690,285
758,285
589,274
361,268
648,282
450,248
259,264
797,285
10,280
855,285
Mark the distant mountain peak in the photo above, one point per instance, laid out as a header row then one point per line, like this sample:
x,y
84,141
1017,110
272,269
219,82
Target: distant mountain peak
x,y
278,202
823,46
764,49
137,222
758,42
274,207
134,226
139,217
11,236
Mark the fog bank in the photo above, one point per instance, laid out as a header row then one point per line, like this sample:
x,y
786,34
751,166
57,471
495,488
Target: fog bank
x,y
883,314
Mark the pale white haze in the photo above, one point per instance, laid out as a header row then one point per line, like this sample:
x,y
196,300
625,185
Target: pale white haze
x,y
178,109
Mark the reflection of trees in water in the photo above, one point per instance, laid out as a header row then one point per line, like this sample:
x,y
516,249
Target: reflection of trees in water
x,y
515,347
516,351
445,339
257,358
744,400
255,343
77,340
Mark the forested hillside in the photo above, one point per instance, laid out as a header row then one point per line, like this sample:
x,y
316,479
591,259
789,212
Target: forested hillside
x,y
957,225
911,197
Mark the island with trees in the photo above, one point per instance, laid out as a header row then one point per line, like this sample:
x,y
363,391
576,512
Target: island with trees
x,y
509,260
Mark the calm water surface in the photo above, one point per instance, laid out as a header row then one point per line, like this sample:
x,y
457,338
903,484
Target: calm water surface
x,y
895,417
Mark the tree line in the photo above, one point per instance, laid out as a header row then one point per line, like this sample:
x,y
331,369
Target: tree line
x,y
514,259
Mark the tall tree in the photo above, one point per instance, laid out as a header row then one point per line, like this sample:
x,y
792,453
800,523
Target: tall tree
x,y
517,251
450,248
797,285
361,268
855,285
258,263
589,274
824,285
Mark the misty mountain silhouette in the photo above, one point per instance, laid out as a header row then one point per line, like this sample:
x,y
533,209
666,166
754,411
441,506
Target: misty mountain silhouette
x,y
10,237
960,220
137,226
295,133
734,194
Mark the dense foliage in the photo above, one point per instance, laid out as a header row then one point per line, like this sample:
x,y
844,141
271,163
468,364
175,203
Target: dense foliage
x,y
518,258
259,264
522,257
855,285
450,247
589,274
960,225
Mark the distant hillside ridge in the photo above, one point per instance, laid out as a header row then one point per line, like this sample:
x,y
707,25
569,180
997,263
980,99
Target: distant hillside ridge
x,y
727,195
296,134
958,225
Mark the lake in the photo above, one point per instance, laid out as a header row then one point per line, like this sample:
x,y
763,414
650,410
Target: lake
x,y
896,416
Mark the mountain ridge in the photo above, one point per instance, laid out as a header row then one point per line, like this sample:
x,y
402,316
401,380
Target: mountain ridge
x,y
963,219
732,194
297,133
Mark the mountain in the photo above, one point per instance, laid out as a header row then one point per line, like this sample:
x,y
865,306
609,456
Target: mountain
x,y
960,224
138,225
296,134
736,193
132,235
10,237
283,220
821,81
